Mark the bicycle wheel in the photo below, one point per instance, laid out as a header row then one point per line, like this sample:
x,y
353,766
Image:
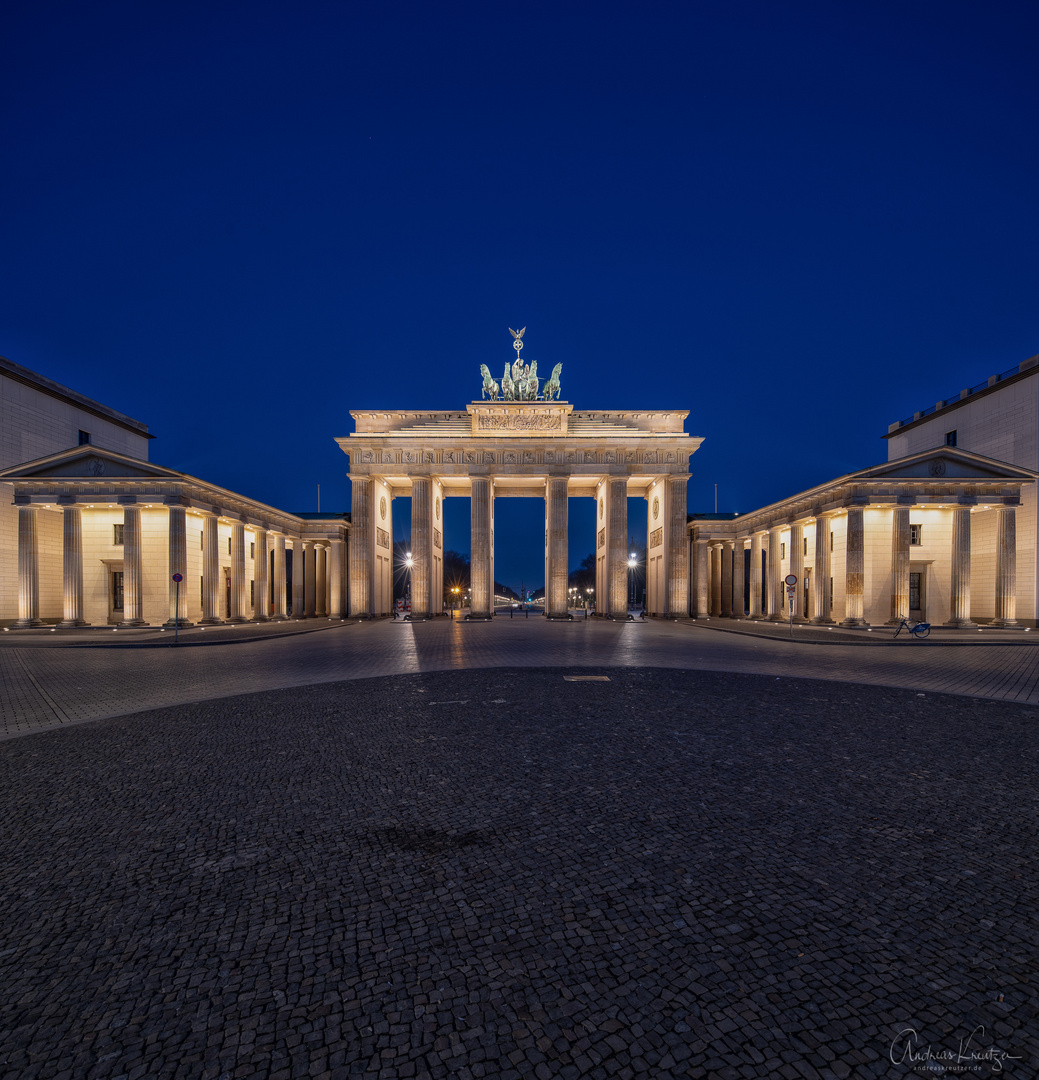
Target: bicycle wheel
x,y
922,632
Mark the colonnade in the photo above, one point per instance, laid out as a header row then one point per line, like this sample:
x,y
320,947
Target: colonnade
x,y
718,570
611,544
317,581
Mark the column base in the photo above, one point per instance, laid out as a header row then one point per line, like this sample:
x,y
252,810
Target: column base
x,y
262,618
173,624
25,624
238,619
961,624
279,618
823,622
214,621
798,620
69,624
775,618
133,622
853,622
1005,623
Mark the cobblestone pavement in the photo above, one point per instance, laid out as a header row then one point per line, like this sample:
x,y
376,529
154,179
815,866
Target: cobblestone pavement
x,y
502,873
52,686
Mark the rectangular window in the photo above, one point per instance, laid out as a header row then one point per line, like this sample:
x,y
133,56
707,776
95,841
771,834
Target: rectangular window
x,y
806,545
252,594
252,551
831,540
229,545
202,591
831,594
782,551
84,438
950,438
117,590
117,535
914,535
202,540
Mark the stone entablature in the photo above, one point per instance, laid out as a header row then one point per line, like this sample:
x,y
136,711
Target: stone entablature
x,y
519,439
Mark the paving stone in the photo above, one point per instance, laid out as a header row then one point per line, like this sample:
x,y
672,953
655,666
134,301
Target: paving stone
x,y
677,872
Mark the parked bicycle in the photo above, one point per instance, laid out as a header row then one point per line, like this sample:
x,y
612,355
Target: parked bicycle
x,y
918,630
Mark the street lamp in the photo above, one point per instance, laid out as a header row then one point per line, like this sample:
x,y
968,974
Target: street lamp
x,y
633,562
408,564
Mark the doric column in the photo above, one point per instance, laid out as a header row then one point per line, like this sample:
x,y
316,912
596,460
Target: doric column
x,y
755,576
72,566
775,582
321,580
738,604
210,570
716,579
1006,567
557,604
133,567
178,548
702,578
797,567
677,583
280,607
238,603
310,584
899,564
28,567
821,572
726,583
421,546
335,579
360,546
960,590
617,548
854,569
261,590
299,577
480,556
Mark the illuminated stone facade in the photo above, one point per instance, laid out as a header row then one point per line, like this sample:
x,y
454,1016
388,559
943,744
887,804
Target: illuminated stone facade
x,y
502,449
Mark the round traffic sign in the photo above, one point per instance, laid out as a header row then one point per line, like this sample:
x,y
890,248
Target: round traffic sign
x,y
791,579
178,577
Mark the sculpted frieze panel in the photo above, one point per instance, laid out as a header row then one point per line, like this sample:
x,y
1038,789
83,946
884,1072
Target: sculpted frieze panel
x,y
656,538
382,538
610,457
631,455
601,539
519,421
488,457
436,539
450,457
530,457
509,457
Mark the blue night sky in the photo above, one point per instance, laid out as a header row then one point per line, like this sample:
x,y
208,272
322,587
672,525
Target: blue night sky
x,y
799,221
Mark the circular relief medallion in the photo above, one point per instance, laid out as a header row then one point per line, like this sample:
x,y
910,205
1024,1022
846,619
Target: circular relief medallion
x,y
937,467
382,508
656,508
437,506
600,509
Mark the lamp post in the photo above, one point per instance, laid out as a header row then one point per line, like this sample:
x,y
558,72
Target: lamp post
x,y
633,563
409,562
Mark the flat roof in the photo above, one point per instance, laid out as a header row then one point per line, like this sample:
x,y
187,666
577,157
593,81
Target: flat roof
x,y
71,397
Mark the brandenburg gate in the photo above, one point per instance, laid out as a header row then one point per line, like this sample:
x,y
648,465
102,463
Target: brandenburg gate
x,y
519,444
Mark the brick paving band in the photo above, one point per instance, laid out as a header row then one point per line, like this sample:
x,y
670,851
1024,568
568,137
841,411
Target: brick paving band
x,y
49,686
